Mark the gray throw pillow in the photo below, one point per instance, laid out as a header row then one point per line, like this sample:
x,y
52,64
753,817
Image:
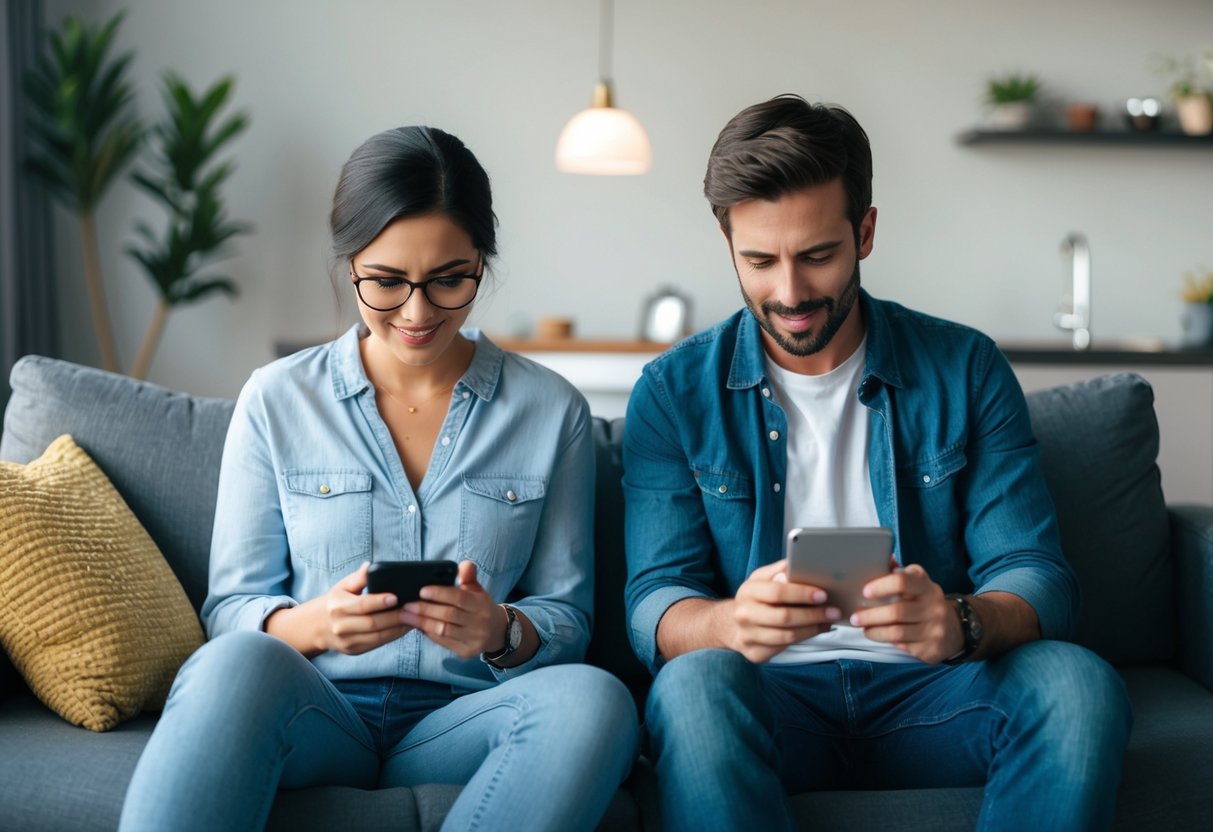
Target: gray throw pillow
x,y
160,449
1099,442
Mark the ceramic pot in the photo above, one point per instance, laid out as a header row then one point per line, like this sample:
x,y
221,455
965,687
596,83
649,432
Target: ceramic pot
x,y
1082,117
1197,323
1013,116
1195,114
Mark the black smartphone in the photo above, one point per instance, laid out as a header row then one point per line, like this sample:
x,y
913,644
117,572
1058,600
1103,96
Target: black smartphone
x,y
404,579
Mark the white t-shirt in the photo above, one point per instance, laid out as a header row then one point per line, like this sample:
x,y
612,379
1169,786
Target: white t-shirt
x,y
828,483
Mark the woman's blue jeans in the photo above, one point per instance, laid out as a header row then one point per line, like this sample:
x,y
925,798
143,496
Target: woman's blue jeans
x,y
248,715
1043,728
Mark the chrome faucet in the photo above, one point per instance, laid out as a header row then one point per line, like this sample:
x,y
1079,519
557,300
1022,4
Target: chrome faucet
x,y
1075,311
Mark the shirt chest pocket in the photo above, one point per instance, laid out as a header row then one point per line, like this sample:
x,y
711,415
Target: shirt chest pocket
x,y
499,520
728,500
934,472
327,514
928,508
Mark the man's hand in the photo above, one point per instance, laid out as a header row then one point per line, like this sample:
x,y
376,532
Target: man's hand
x,y
921,621
769,613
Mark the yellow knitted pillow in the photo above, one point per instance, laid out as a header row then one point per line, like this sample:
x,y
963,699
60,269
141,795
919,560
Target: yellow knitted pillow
x,y
90,612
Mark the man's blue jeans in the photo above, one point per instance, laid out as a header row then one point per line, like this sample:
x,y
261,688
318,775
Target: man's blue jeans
x,y
249,715
1043,728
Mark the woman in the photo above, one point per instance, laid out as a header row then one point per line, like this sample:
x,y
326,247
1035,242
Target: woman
x,y
406,439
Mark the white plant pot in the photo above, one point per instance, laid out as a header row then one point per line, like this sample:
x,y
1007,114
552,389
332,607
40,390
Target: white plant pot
x,y
1195,114
1197,322
1014,116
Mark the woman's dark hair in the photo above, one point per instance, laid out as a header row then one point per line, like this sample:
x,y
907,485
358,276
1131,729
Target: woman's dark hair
x,y
786,144
406,172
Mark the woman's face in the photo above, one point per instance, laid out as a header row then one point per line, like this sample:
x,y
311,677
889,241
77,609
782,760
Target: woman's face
x,y
416,249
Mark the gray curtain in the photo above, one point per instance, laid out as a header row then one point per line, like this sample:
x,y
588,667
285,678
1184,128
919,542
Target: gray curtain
x,y
29,320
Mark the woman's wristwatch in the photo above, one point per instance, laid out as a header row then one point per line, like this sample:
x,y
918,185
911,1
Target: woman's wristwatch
x,y
513,636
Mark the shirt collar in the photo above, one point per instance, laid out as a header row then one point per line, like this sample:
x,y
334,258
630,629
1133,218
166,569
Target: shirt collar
x,y
748,369
349,376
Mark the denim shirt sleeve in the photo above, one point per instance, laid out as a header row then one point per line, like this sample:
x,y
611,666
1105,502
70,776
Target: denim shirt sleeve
x,y
249,565
556,591
1011,533
669,545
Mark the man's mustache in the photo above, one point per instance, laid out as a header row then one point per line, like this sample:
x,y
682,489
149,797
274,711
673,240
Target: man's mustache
x,y
777,308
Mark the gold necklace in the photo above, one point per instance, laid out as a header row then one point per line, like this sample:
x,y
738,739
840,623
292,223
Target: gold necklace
x,y
413,408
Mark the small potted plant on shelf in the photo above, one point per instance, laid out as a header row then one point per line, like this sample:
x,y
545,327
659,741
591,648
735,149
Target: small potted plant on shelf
x,y
1191,91
1012,98
1197,320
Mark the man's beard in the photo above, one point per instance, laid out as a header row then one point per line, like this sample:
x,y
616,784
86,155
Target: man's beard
x,y
806,343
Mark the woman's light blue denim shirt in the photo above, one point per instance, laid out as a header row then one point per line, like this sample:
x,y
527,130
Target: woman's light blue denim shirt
x,y
951,456
312,485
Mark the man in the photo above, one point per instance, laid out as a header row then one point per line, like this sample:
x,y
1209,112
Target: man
x,y
818,405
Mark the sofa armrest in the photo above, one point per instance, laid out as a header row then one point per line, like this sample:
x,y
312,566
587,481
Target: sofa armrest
x,y
1192,541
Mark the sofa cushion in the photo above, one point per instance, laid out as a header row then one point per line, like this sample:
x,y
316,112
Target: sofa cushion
x,y
90,613
610,648
1098,445
160,449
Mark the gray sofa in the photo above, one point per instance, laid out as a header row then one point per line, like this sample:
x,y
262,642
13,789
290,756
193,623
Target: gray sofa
x,y
1146,570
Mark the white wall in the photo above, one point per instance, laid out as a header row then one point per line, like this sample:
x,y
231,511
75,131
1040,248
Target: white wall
x,y
970,234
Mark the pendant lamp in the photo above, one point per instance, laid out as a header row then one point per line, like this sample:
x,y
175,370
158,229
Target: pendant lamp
x,y
603,139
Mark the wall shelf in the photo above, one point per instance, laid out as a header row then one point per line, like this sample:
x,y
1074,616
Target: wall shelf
x,y
1169,138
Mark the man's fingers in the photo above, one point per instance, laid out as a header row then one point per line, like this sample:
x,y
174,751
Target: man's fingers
x,y
772,592
782,637
768,572
786,616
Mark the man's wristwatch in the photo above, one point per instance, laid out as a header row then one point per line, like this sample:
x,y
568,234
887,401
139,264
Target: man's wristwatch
x,y
513,636
970,626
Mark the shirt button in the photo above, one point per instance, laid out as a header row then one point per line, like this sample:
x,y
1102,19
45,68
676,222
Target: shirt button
x,y
774,435
766,391
511,496
446,440
466,394
412,509
324,489
926,478
723,489
776,486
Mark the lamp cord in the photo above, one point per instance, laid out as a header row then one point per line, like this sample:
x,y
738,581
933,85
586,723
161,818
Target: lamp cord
x,y
606,17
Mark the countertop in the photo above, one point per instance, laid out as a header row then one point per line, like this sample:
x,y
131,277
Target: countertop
x,y
1127,352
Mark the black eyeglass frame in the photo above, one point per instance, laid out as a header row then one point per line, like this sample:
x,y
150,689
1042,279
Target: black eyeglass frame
x,y
423,285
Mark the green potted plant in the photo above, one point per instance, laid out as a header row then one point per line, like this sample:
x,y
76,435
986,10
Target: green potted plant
x,y
185,179
1197,317
84,134
1191,91
1012,98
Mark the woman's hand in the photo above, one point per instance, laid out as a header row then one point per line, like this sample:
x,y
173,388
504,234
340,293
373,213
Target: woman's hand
x,y
464,618
341,619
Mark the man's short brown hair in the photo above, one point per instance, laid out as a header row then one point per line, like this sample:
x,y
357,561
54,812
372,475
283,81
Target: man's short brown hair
x,y
786,144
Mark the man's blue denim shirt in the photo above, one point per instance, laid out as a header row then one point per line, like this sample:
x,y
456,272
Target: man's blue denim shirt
x,y
953,462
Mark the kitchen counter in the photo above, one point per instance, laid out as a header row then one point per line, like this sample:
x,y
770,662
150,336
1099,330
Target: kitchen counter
x,y
1126,353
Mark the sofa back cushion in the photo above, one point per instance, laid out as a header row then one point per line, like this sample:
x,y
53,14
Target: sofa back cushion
x,y
160,449
1098,446
610,647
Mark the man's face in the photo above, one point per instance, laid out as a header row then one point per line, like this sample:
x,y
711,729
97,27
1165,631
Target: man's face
x,y
798,263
